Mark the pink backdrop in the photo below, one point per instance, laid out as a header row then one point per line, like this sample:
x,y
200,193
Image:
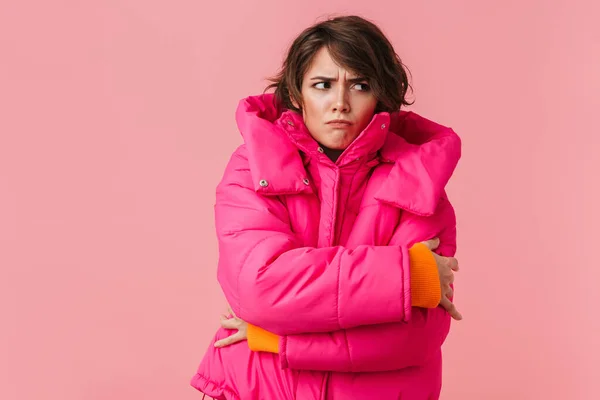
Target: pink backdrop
x,y
116,120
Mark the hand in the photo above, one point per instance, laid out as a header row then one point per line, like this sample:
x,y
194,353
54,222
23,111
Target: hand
x,y
232,322
446,266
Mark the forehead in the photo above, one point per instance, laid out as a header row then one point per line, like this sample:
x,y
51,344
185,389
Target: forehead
x,y
324,65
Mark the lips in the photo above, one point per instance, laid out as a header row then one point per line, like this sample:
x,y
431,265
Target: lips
x,y
339,123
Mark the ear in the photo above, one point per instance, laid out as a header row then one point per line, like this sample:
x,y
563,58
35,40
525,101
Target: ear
x,y
295,103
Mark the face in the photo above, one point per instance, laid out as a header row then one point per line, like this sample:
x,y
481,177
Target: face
x,y
329,93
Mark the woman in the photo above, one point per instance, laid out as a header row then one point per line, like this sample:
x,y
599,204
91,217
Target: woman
x,y
327,219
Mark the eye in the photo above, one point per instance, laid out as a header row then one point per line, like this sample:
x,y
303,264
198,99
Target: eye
x,y
322,85
363,87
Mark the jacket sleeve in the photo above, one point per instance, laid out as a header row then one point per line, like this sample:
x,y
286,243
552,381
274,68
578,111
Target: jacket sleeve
x,y
382,347
424,287
267,274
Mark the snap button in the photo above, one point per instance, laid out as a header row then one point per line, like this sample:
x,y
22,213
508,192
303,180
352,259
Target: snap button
x,y
382,126
263,183
320,149
305,181
290,123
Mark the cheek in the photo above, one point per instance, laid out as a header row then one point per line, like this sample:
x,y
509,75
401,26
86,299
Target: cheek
x,y
315,102
366,111
313,109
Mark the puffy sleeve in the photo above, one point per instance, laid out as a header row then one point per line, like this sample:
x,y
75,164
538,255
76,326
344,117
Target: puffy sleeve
x,y
381,347
267,274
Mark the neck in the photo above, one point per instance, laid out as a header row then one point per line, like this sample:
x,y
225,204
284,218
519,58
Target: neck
x,y
332,154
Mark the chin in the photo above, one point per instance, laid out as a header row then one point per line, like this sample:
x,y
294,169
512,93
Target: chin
x,y
335,146
338,143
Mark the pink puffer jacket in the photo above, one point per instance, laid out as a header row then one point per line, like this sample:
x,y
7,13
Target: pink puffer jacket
x,y
317,252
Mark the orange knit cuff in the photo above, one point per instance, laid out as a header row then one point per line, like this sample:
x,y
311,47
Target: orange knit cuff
x,y
425,287
262,340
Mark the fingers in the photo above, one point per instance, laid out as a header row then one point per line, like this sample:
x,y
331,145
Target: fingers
x,y
229,323
452,263
231,312
451,308
449,262
229,340
445,273
446,267
449,293
432,244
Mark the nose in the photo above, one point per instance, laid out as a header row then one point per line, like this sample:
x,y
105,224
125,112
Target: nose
x,y
341,103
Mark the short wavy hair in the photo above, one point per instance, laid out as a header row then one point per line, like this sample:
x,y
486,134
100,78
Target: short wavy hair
x,y
354,43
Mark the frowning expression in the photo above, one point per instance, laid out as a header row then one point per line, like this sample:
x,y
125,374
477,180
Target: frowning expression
x,y
337,104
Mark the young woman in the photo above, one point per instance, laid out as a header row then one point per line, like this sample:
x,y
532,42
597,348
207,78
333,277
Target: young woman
x,y
336,237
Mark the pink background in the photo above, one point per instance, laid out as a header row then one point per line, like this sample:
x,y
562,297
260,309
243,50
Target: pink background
x,y
116,120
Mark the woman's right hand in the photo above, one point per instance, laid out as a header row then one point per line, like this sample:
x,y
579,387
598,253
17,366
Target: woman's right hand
x,y
446,268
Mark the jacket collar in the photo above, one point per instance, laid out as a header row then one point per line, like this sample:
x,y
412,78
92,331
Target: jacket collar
x,y
275,163
367,144
424,153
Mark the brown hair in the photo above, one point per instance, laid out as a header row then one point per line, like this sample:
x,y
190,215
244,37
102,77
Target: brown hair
x,y
354,43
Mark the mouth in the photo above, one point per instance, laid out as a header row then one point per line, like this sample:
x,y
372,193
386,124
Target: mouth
x,y
339,123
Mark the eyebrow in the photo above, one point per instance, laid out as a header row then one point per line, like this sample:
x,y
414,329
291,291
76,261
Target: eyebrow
x,y
325,78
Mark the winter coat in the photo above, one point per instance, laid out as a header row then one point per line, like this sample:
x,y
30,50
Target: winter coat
x,y
316,251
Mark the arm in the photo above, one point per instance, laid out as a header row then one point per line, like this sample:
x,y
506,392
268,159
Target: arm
x,y
263,266
381,347
384,347
425,292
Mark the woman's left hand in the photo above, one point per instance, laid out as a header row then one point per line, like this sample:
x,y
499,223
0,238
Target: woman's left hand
x,y
234,323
